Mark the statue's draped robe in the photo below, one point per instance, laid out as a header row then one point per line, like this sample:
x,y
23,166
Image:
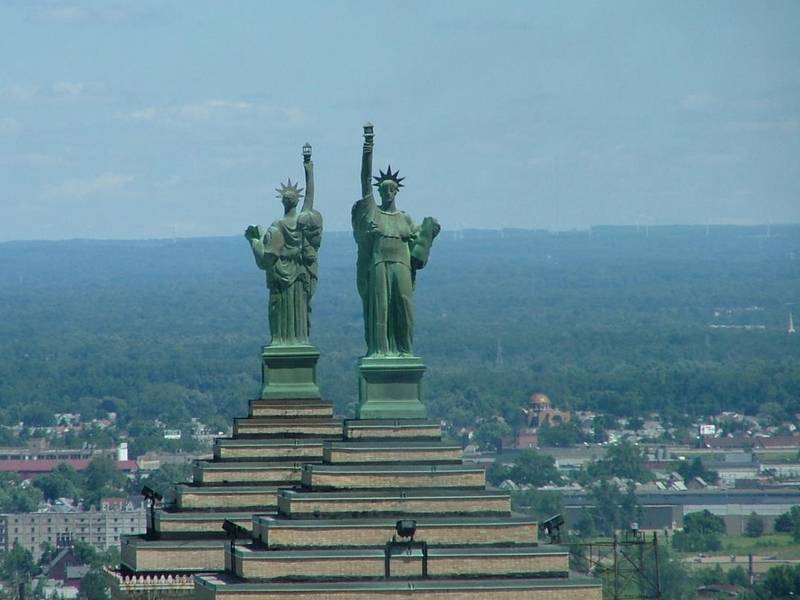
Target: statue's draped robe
x,y
288,253
385,278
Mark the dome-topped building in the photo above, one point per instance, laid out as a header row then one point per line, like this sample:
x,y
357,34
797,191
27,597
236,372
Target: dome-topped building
x,y
541,411
540,402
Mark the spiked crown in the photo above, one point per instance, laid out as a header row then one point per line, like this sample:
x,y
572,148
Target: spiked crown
x,y
388,176
289,189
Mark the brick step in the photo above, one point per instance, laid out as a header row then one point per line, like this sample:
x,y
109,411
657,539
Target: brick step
x,y
392,429
356,477
282,533
225,497
301,505
253,473
297,427
295,449
174,525
226,587
313,407
398,452
253,562
141,555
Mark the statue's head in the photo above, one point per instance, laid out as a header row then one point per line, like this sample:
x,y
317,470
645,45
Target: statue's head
x,y
388,184
289,194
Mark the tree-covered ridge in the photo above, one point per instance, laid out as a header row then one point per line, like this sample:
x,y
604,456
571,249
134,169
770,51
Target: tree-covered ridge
x,y
613,320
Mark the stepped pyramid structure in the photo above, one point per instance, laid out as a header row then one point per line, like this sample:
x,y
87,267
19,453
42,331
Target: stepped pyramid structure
x,y
283,430
338,534
379,506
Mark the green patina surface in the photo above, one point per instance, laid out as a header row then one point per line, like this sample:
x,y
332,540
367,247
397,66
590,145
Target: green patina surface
x,y
289,372
391,250
390,387
287,251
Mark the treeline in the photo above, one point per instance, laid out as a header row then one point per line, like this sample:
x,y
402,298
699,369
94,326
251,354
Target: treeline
x,y
616,321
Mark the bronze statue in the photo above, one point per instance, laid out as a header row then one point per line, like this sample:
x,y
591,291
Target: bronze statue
x,y
391,249
287,251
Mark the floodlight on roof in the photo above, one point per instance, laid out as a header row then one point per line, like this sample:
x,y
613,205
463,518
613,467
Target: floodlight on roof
x,y
406,528
552,527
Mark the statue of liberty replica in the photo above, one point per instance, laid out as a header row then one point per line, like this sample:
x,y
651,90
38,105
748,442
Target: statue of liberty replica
x,y
391,249
288,252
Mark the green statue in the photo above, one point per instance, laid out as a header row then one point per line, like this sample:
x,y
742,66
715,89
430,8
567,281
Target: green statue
x,y
287,251
391,249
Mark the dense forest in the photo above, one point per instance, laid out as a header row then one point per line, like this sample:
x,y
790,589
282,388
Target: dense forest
x,y
623,320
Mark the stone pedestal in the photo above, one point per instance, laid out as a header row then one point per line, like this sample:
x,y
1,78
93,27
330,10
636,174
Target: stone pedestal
x,y
390,388
289,372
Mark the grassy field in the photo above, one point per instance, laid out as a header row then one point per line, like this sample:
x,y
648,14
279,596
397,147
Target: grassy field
x,y
768,551
780,545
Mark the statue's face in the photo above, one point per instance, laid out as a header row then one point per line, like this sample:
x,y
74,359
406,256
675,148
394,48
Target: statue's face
x,y
289,201
387,190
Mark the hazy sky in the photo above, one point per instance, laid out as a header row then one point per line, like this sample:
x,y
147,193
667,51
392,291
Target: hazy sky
x,y
148,119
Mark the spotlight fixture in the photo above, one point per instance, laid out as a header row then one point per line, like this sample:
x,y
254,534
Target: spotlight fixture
x,y
552,527
406,528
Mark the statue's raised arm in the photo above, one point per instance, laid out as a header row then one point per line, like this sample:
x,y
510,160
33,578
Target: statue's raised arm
x,y
308,167
366,161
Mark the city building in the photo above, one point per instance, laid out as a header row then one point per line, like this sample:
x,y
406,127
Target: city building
x,y
62,524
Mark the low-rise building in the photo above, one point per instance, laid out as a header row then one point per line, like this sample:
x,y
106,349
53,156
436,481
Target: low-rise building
x,y
62,524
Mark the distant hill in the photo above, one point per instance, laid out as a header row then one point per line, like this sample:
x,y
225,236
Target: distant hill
x,y
616,318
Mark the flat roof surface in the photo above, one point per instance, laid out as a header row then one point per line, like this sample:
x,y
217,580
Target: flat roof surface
x,y
405,585
272,521
411,494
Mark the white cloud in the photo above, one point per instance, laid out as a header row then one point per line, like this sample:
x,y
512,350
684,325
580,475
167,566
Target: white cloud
x,y
697,101
229,104
31,159
62,14
781,125
146,114
20,92
8,125
68,12
207,110
67,88
81,188
294,115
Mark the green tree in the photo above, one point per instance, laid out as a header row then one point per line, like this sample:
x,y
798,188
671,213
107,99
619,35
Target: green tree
x,y
93,585
623,460
737,576
782,581
789,522
534,468
497,473
676,581
63,482
703,522
701,533
563,435
635,423
612,509
754,526
18,564
86,553
489,434
102,478
695,468
164,478
542,504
